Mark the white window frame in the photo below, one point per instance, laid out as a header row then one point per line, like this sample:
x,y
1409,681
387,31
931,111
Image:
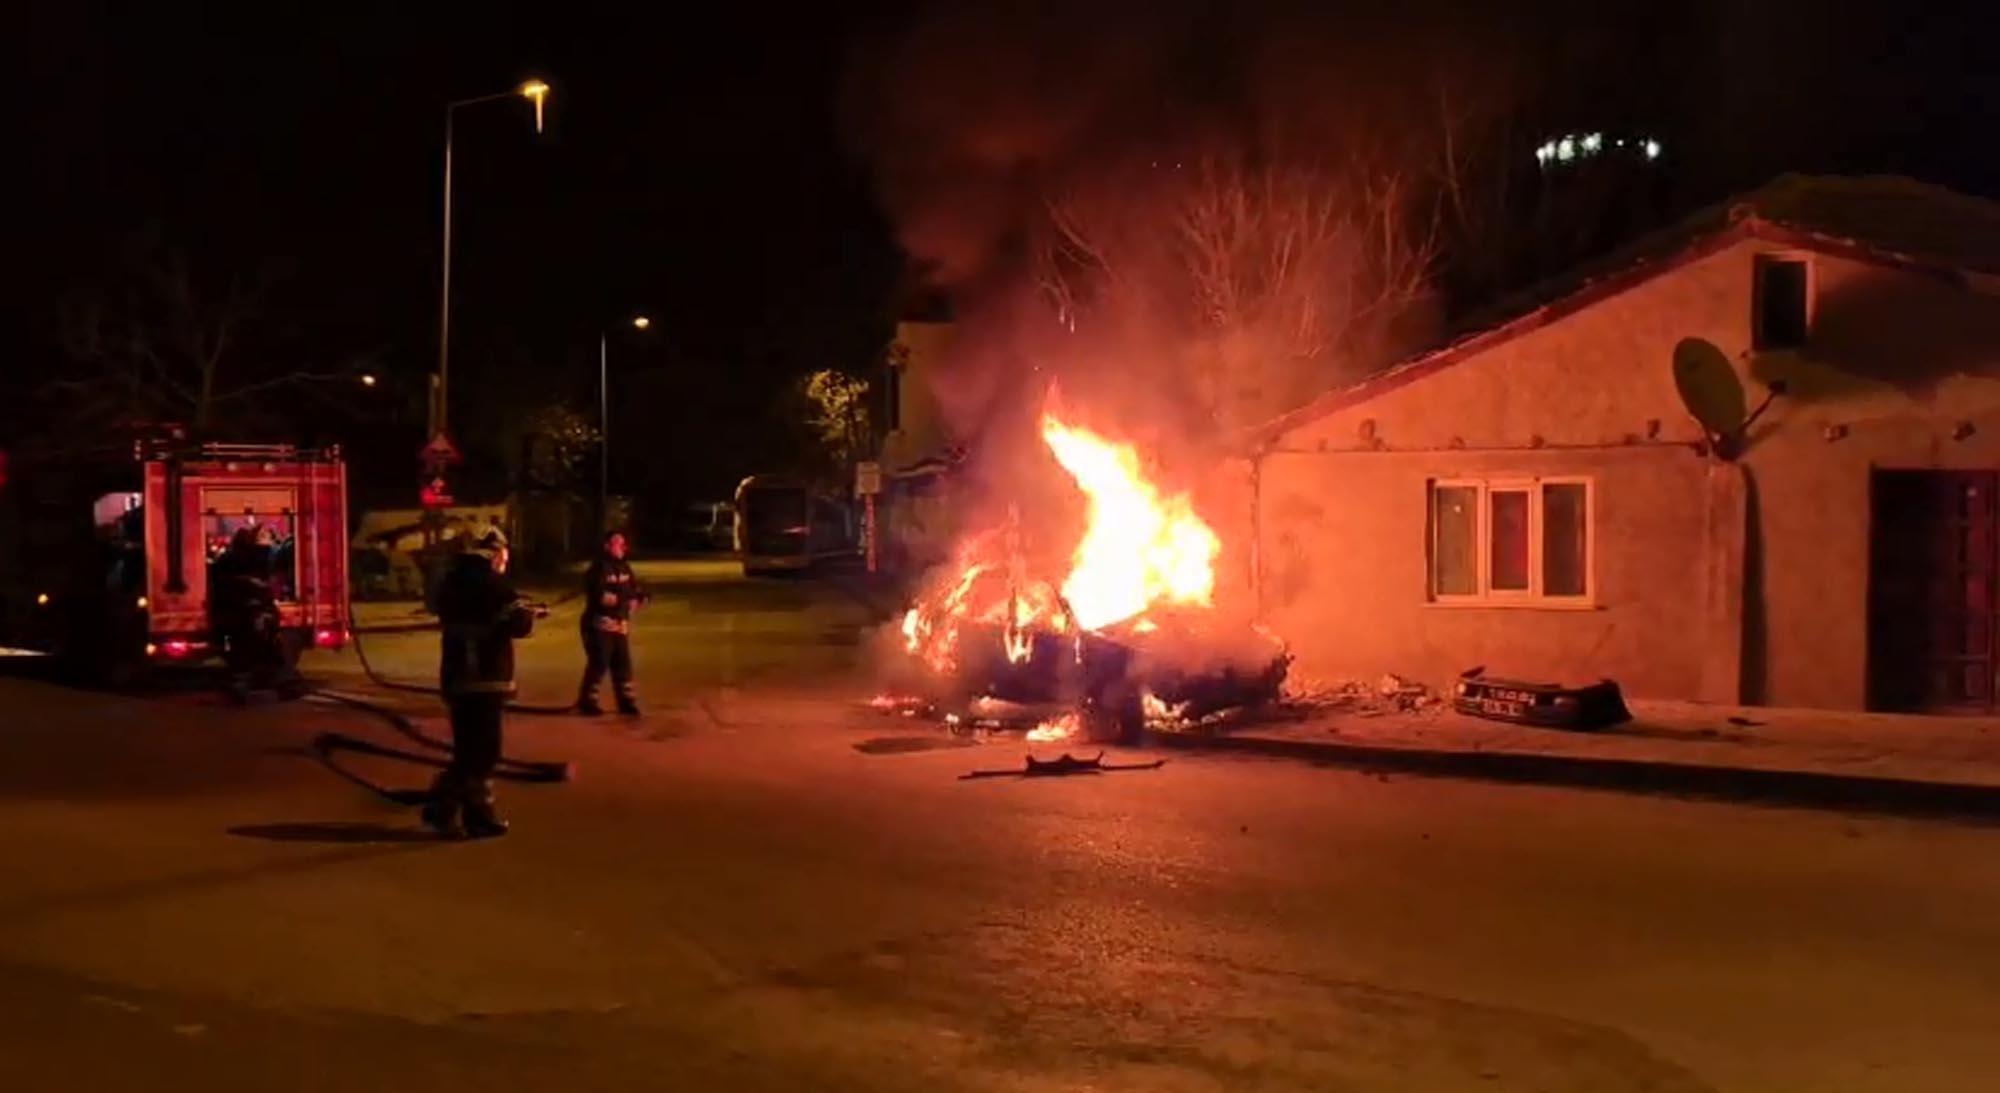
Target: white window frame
x,y
1533,595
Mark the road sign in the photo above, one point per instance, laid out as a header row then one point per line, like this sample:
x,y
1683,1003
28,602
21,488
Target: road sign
x,y
868,479
435,494
440,452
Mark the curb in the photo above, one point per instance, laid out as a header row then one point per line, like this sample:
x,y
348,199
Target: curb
x,y
1795,788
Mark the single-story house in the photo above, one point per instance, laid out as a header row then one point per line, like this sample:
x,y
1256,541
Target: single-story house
x,y
1539,497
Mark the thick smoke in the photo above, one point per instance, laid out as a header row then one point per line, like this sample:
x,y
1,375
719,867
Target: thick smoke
x,y
991,127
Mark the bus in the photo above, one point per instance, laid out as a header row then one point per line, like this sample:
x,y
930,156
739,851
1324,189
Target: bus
x,y
785,525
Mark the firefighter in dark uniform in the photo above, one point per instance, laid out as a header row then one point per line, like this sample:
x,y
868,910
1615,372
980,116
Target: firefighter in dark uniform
x,y
610,592
481,615
243,612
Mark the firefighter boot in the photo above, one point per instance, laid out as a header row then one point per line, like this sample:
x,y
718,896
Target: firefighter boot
x,y
481,822
586,706
442,808
627,705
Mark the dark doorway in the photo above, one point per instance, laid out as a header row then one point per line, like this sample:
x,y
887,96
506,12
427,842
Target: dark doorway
x,y
1934,591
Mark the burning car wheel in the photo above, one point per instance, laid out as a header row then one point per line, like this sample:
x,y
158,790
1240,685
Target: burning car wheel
x,y
1114,716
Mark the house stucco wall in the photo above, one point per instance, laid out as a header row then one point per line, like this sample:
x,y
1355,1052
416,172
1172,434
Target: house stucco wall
x,y
921,431
1719,581
1897,365
1344,570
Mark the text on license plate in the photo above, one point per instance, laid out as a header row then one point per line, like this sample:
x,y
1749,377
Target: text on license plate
x,y
1501,707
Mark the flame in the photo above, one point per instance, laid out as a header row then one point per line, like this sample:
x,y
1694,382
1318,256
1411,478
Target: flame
x,y
1061,728
1020,644
1159,711
984,592
1140,548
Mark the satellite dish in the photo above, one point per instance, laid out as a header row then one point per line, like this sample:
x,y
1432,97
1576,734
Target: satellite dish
x,y
1709,388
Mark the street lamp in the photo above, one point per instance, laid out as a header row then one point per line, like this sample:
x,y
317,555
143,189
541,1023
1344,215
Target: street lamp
x,y
534,91
639,322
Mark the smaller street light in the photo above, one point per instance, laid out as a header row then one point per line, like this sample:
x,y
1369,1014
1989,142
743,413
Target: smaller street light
x,y
535,91
639,322
368,379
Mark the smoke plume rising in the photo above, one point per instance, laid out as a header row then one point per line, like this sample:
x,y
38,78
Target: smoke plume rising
x,y
1177,209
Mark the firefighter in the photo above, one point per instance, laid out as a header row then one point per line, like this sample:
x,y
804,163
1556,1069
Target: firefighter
x,y
244,613
481,615
610,592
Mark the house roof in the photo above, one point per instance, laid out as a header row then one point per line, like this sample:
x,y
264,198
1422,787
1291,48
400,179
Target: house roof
x,y
1890,221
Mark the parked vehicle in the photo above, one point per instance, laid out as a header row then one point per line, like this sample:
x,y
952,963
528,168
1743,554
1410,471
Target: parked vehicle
x,y
107,560
709,526
785,525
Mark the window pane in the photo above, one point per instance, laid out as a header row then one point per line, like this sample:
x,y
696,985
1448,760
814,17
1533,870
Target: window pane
x,y
1565,520
1510,540
1455,541
1781,303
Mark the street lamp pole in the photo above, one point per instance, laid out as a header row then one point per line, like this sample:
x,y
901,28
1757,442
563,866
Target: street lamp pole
x,y
639,322
536,92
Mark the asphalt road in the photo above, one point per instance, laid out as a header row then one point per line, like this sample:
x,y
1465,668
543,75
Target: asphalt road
x,y
759,887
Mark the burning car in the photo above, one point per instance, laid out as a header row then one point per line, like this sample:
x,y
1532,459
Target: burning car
x,y
1128,633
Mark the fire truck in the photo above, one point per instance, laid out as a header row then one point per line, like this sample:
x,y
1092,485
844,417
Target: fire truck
x,y
105,559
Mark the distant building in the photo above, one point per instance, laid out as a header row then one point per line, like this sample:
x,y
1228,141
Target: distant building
x,y
1566,150
917,514
1538,498
913,426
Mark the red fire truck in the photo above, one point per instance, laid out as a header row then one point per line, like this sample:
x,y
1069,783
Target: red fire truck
x,y
104,563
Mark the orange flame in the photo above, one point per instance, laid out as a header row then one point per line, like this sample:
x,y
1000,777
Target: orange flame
x,y
1060,728
1140,548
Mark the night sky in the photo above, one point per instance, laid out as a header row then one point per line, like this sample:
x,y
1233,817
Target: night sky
x,y
700,167
691,171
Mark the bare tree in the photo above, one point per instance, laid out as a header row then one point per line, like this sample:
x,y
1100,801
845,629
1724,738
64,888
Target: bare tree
x,y
164,345
1284,275
1287,257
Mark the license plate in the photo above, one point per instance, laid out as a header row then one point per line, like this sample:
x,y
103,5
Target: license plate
x,y
1501,707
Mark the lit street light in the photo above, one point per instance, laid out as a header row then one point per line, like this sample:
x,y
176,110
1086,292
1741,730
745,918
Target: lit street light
x,y
368,379
534,91
639,322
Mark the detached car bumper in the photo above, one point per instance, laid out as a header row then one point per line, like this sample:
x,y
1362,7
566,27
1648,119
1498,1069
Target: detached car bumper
x,y
1550,705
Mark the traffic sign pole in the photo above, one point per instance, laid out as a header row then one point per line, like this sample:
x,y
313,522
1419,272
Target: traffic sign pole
x,y
868,483
868,521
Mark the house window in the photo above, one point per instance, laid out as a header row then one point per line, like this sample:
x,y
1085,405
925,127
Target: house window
x,y
1782,304
1520,541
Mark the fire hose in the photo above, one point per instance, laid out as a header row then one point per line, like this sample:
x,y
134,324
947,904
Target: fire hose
x,y
328,745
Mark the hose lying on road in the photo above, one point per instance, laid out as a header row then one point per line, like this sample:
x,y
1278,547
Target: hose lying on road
x,y
328,745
